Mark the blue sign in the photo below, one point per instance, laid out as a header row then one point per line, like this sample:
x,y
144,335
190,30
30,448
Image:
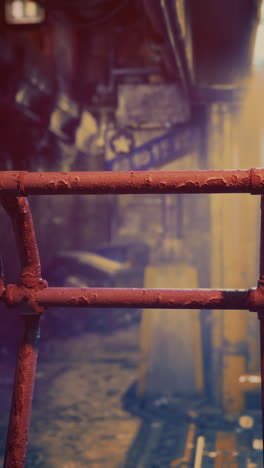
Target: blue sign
x,y
157,152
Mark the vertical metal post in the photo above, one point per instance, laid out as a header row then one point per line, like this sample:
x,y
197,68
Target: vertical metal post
x,y
19,421
20,413
261,313
261,318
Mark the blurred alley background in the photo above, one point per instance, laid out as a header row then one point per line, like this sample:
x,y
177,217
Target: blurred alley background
x,y
92,85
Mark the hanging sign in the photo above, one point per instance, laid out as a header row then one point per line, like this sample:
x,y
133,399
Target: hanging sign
x,y
182,140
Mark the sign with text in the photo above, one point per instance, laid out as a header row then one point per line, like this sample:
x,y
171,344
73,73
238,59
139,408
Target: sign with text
x,y
182,140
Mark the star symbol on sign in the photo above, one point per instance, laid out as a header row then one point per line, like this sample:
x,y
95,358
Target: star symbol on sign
x,y
122,143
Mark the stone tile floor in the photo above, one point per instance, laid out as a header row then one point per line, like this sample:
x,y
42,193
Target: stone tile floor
x,y
77,419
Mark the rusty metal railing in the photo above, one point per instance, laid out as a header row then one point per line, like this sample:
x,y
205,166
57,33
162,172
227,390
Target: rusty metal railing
x,y
32,294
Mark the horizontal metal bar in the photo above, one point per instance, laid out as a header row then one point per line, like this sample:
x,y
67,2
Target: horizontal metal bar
x,y
141,298
45,183
144,298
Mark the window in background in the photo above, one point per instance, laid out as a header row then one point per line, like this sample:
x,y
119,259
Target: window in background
x,y
24,12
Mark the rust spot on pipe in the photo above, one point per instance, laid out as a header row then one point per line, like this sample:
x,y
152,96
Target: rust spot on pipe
x,y
220,182
257,181
257,300
75,183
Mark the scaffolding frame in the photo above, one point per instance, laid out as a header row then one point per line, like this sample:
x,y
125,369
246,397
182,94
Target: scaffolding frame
x,y
32,295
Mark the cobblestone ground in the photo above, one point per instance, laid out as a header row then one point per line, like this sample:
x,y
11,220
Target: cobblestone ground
x,y
77,418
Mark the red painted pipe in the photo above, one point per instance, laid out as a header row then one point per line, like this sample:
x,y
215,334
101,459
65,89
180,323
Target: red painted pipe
x,y
261,313
22,395
20,184
19,420
19,211
261,328
44,183
141,298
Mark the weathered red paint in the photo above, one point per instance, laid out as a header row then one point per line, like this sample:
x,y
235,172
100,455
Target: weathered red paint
x,y
141,298
32,295
225,181
261,312
30,280
261,328
19,211
20,413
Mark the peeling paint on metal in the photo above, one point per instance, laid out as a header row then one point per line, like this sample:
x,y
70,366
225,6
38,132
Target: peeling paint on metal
x,y
217,181
35,293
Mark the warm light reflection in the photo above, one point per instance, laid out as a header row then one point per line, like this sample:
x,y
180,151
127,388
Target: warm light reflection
x,y
254,379
24,12
31,9
258,57
246,422
17,9
257,444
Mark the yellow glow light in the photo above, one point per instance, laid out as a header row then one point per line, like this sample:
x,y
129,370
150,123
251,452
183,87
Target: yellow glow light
x,y
31,9
17,9
24,12
258,57
246,422
257,444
